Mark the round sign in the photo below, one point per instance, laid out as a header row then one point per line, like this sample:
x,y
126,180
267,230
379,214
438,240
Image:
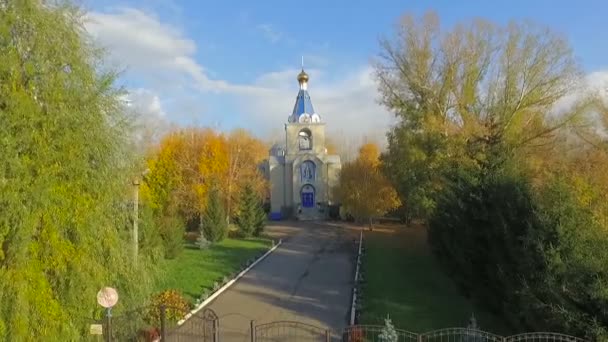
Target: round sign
x,y
107,297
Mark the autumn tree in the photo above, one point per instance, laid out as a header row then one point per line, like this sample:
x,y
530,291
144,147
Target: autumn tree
x,y
181,170
331,146
191,160
245,153
363,190
64,182
203,162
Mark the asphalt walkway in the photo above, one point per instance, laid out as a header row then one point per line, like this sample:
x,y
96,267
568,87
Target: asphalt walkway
x,y
307,279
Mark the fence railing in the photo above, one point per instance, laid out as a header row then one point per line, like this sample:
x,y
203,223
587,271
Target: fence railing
x,y
378,333
161,324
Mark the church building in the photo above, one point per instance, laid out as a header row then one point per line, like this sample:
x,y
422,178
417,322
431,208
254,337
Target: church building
x,y
300,171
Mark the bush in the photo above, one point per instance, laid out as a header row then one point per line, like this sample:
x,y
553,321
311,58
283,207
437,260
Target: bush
x,y
215,227
176,307
251,217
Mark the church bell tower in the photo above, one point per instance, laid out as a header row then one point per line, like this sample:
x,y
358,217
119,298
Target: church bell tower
x,y
302,187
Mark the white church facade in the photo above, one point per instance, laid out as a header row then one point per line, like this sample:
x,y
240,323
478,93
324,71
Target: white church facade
x,y
300,172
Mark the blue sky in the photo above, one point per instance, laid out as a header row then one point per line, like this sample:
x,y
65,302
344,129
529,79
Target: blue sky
x,y
233,63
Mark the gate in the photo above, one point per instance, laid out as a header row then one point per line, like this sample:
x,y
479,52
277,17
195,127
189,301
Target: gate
x,y
460,335
202,326
289,331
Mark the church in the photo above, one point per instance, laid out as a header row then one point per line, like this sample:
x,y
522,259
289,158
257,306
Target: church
x,y
300,172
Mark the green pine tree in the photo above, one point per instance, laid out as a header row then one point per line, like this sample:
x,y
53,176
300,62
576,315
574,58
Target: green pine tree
x,y
251,218
215,226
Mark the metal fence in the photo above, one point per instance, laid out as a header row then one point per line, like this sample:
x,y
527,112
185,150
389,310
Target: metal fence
x,y
378,333
161,324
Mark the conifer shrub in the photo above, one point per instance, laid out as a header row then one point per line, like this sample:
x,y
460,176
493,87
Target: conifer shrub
x,y
215,227
251,217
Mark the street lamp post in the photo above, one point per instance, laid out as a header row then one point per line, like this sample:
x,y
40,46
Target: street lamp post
x,y
107,298
136,184
135,219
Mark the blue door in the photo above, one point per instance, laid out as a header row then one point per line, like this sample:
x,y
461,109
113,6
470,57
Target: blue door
x,y
308,199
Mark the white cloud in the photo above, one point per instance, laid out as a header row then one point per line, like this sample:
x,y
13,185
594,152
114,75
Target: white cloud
x,y
161,57
270,33
147,47
149,117
595,83
146,103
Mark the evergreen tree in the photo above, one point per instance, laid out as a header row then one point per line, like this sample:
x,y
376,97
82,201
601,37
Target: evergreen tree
x,y
388,334
65,172
251,218
202,241
215,226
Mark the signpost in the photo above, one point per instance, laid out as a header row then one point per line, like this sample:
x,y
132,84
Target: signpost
x,y
107,298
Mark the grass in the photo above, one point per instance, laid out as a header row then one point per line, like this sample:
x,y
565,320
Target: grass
x,y
195,271
403,280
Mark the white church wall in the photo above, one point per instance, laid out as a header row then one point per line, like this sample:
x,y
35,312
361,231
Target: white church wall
x,y
276,187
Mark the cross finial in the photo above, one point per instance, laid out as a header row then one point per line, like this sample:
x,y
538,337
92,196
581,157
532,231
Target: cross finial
x,y
302,62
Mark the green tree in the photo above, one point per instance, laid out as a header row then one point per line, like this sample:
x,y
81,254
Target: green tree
x,y
460,93
214,222
251,218
64,214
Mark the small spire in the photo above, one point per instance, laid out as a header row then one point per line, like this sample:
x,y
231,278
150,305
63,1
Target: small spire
x,y
302,62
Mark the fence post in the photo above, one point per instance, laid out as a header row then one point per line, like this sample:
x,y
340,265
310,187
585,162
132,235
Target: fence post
x,y
252,330
216,331
419,338
327,336
163,323
109,324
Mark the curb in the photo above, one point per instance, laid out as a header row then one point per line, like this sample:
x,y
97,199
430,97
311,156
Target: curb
x,y
227,285
353,309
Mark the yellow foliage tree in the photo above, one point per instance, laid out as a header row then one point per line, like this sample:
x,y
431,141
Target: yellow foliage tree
x,y
164,175
189,161
331,146
212,167
364,191
245,153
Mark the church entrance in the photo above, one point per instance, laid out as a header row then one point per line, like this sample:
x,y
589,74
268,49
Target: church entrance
x,y
308,196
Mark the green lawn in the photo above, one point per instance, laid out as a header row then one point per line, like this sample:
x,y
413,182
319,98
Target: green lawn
x,y
196,270
404,281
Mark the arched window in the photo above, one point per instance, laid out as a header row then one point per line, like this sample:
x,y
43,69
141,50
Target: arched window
x,y
305,139
307,171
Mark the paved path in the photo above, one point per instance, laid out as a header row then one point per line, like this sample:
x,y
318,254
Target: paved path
x,y
307,279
